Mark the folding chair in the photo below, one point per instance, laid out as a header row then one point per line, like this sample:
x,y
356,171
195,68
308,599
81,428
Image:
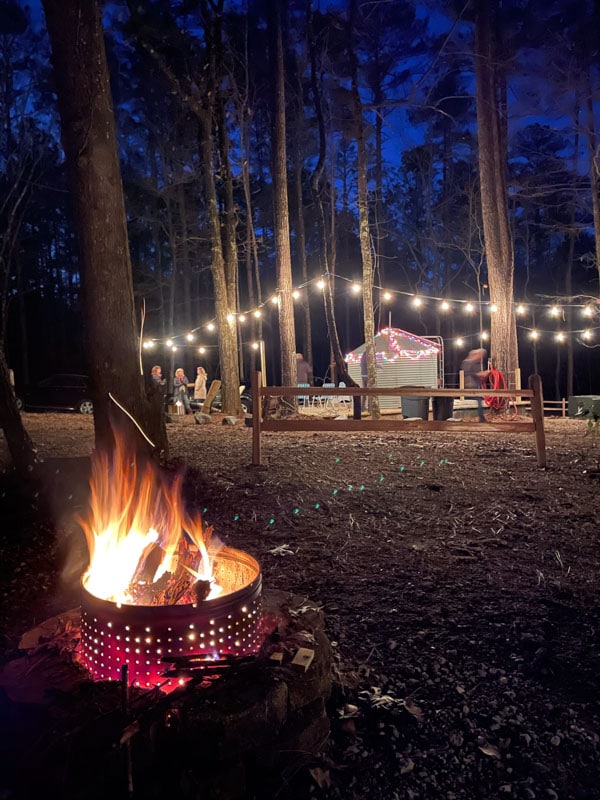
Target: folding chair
x,y
304,399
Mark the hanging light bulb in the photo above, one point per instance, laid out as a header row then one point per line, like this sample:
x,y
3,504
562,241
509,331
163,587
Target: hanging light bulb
x,y
202,350
417,302
230,318
554,311
559,337
588,311
190,337
444,306
258,313
356,288
520,309
173,349
242,318
295,294
459,342
493,308
469,308
275,299
321,284
210,326
534,335
484,336
386,296
169,342
587,334
255,345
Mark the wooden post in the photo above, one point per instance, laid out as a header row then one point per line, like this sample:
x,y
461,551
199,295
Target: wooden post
x,y
256,416
537,412
518,378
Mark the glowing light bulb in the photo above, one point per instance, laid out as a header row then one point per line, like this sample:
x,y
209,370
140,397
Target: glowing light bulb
x,y
387,295
587,334
258,313
588,311
484,336
255,345
169,342
230,318
493,308
554,311
202,350
469,308
321,284
560,337
444,305
275,299
173,349
356,288
534,335
210,326
190,337
242,318
520,310
295,294
417,302
459,342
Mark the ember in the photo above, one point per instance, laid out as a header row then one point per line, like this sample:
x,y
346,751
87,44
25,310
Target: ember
x,y
159,584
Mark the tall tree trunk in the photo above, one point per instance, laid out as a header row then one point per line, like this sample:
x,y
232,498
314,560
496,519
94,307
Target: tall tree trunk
x,y
364,231
594,156
492,176
316,183
89,141
283,253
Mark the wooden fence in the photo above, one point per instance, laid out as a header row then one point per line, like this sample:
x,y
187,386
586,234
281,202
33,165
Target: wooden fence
x,y
263,421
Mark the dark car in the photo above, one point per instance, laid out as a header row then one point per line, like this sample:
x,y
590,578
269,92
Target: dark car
x,y
62,392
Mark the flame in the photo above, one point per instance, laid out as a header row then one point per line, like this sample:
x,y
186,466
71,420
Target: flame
x,y
136,529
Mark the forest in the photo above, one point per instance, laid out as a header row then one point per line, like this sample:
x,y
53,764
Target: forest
x,y
333,156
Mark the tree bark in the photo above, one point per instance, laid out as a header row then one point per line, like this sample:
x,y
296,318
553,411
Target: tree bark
x,y
493,181
283,255
89,141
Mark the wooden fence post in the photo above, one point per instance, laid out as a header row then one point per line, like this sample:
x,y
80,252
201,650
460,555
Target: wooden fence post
x,y
256,381
537,412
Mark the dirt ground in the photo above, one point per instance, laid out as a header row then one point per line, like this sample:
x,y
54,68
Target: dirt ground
x,y
458,580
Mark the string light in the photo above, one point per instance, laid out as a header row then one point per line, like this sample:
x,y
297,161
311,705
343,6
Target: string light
x,y
587,309
459,342
560,337
534,335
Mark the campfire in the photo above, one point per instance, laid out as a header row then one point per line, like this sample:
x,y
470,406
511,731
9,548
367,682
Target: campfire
x,y
160,587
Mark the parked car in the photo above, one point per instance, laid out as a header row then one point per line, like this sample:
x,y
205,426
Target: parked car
x,y
62,392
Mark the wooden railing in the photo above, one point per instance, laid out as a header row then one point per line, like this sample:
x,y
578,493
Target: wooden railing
x,y
262,421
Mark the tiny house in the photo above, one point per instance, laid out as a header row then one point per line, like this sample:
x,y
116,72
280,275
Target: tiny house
x,y
403,359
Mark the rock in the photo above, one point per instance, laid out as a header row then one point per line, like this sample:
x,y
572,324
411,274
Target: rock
x,y
201,419
229,421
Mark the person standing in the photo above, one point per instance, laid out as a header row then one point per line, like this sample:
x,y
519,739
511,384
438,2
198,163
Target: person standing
x,y
303,370
200,384
180,390
474,371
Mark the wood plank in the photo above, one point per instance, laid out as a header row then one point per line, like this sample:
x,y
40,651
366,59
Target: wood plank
x,y
365,425
210,396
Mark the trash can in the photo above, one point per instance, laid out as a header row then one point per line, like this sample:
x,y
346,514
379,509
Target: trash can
x,y
415,406
443,407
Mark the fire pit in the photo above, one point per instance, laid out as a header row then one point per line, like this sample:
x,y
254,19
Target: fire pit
x,y
144,637
160,587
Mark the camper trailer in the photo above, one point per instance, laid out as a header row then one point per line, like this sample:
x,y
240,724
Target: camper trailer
x,y
403,359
